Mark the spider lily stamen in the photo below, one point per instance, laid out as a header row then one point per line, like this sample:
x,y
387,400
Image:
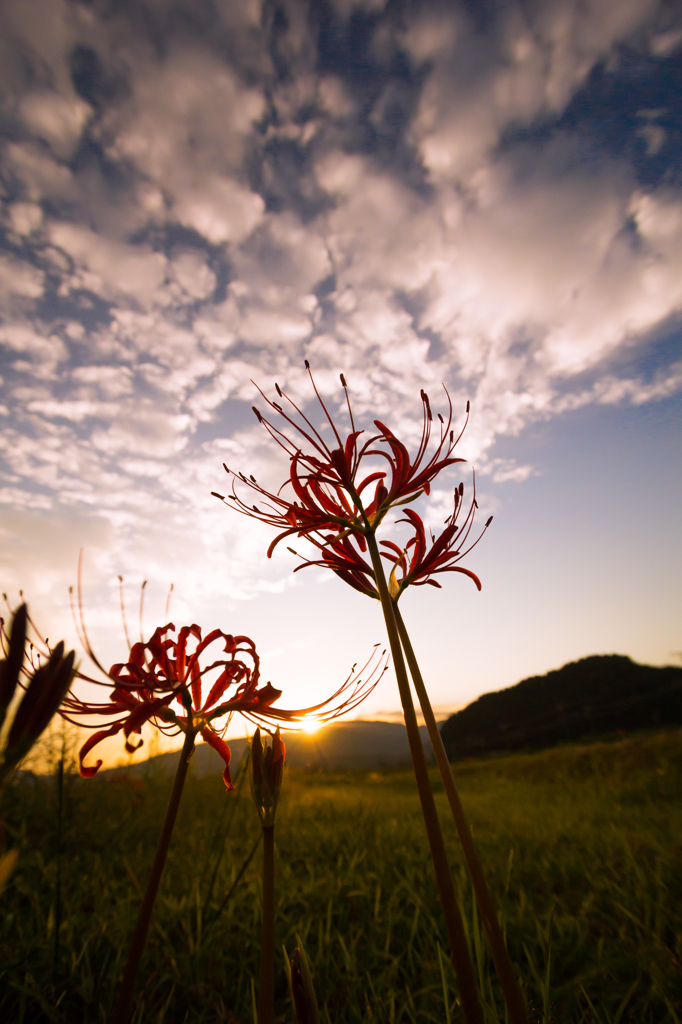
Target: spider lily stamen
x,y
317,393
316,440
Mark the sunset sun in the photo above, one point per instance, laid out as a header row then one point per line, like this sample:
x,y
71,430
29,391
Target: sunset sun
x,y
310,725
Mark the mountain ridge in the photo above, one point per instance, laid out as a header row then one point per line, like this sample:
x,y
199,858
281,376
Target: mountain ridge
x,y
594,695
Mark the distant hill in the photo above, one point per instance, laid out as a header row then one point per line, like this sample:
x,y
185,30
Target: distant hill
x,y
341,745
595,695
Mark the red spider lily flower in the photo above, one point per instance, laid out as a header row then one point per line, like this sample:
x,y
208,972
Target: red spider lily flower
x,y
414,564
417,562
327,483
163,683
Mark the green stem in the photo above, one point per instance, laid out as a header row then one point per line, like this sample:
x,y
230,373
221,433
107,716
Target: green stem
x,y
503,965
121,1013
266,989
453,919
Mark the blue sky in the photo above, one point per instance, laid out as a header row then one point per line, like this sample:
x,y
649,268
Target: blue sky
x,y
489,196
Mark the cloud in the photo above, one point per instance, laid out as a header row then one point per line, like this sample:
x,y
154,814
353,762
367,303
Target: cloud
x,y
19,279
55,119
36,354
530,64
36,174
107,267
25,217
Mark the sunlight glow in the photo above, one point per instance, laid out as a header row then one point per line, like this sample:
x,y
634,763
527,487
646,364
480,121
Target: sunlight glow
x,y
310,725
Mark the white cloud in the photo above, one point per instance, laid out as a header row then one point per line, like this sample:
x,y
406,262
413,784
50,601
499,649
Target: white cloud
x,y
654,136
59,120
141,428
41,355
195,278
70,410
537,60
111,268
20,279
25,217
40,175
664,43
218,208
184,128
111,382
505,470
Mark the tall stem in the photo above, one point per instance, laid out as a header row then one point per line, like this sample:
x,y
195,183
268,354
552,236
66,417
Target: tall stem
x,y
266,989
453,919
121,1011
503,965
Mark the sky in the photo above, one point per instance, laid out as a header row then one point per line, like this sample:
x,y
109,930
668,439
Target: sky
x,y
200,194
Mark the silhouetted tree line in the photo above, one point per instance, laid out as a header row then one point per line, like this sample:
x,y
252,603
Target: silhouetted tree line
x,y
595,695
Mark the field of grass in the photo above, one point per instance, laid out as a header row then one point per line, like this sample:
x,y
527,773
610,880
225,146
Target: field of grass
x,y
582,844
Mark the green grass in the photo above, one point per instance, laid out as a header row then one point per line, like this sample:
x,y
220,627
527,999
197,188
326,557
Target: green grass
x,y
582,845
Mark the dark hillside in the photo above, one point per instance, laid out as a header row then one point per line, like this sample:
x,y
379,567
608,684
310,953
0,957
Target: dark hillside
x,y
587,697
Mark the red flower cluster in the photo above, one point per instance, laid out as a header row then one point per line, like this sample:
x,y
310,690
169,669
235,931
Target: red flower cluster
x,y
328,508
163,672
327,483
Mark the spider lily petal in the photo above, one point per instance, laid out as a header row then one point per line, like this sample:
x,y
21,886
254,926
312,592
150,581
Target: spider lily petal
x,y
87,771
221,747
339,555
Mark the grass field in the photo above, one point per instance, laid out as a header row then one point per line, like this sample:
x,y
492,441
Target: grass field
x,y
583,847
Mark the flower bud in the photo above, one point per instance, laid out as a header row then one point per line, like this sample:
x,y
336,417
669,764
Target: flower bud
x,y
46,688
267,765
301,987
11,665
